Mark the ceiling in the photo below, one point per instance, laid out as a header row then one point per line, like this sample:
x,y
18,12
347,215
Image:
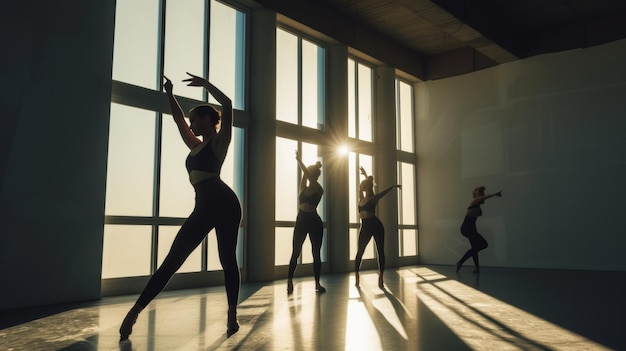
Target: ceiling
x,y
495,31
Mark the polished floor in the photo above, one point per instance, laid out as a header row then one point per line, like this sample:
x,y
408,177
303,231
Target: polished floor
x,y
421,308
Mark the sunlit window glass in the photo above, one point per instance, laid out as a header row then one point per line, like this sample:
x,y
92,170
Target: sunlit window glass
x,y
404,96
126,251
286,180
283,246
351,98
135,51
193,263
286,77
177,194
130,165
365,111
407,195
312,85
227,56
355,178
184,44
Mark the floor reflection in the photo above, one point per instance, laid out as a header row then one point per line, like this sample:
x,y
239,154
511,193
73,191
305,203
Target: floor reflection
x,y
422,308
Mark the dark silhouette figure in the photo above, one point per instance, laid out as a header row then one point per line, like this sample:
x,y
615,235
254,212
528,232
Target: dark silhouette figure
x,y
216,205
308,222
468,228
370,225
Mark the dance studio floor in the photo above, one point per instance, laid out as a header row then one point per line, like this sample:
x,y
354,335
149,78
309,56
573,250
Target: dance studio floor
x,y
422,308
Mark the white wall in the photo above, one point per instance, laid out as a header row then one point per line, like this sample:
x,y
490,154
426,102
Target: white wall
x,y
551,132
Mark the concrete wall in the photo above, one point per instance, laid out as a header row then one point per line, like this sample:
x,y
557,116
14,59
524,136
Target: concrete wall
x,y
551,132
54,105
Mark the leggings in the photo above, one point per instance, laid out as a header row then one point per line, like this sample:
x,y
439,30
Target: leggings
x,y
371,226
468,229
311,223
216,207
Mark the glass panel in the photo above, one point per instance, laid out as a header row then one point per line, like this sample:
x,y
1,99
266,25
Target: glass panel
x,y
310,155
177,194
369,249
213,256
226,54
354,181
405,117
286,77
130,167
409,242
166,238
312,85
366,162
407,194
365,102
135,47
287,182
351,99
184,44
126,251
283,246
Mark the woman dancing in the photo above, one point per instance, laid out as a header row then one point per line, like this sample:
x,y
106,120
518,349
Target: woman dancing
x,y
468,228
216,205
308,221
370,225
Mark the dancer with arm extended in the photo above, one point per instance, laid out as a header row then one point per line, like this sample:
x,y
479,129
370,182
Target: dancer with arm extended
x,y
370,225
468,228
308,222
216,205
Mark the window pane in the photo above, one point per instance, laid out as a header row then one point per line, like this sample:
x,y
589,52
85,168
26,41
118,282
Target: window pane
x,y
135,49
286,77
354,181
409,242
310,155
407,195
126,251
130,167
213,256
184,44
312,85
365,102
283,246
226,53
369,249
287,182
405,117
166,238
177,194
351,99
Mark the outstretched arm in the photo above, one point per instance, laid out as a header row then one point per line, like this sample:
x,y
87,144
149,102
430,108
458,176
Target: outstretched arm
x,y
179,117
386,191
480,199
226,128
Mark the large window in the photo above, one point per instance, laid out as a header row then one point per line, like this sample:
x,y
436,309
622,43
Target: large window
x,y
299,80
148,192
407,198
300,113
360,101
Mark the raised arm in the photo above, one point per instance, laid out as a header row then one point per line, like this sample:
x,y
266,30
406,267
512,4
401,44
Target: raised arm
x,y
179,117
224,135
480,199
363,172
386,191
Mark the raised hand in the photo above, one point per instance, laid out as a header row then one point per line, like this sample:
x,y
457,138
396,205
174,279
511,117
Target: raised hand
x,y
195,81
297,155
363,172
168,86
